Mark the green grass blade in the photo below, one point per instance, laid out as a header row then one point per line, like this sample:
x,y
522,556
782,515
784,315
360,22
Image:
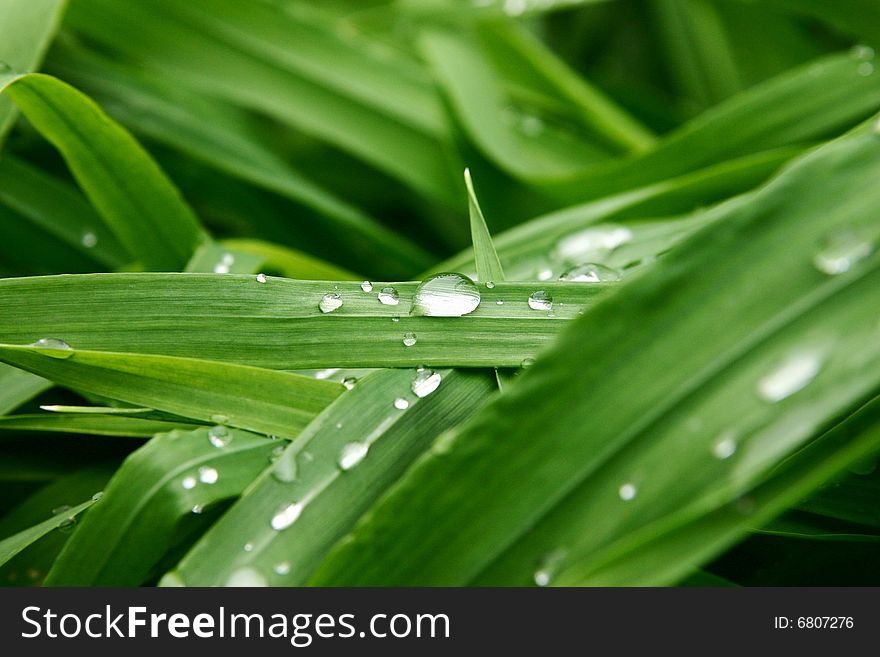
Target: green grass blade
x,y
124,536
290,263
261,400
18,387
698,357
217,258
140,205
277,324
91,424
310,473
11,546
26,29
486,260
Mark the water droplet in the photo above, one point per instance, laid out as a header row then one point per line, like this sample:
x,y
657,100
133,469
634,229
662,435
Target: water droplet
x,y
326,374
67,525
527,363
285,468
794,374
189,482
865,69
389,296
548,567
352,454
862,51
246,577
64,508
219,418
515,7
53,347
286,515
401,404
500,302
97,496
330,302
490,285
276,453
425,382
172,580
89,239
395,318
409,339
208,475
261,278
349,382
594,243
366,286
724,446
219,436
627,491
225,264
540,300
545,274
840,251
446,295
282,568
197,509
590,273
248,547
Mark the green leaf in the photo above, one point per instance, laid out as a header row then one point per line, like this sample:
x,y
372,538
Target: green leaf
x,y
774,371
178,477
26,29
289,262
91,424
11,546
335,469
224,393
276,324
485,257
18,387
140,205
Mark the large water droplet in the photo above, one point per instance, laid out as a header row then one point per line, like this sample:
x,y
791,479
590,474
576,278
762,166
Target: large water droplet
x,y
208,475
593,243
246,577
794,374
425,382
352,454
188,483
89,239
286,515
330,302
590,273
862,52
841,251
401,404
865,69
540,300
389,296
219,436
627,491
54,348
409,339
366,286
446,295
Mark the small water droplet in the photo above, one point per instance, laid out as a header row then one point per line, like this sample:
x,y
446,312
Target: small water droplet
x,y
861,51
219,418
208,475
545,274
389,296
515,7
349,382
548,567
500,302
197,509
225,264
352,454
366,286
219,436
67,525
409,339
540,300
286,515
425,382
395,318
97,496
401,404
172,580
246,577
189,482
446,295
865,69
792,375
627,491
592,244
841,251
53,347
261,278
248,547
590,273
330,302
285,469
89,239
282,568
724,446
490,285
527,363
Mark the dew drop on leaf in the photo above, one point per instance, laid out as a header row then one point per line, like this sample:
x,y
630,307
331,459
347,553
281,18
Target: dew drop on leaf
x,y
366,286
208,475
409,339
349,382
188,483
89,239
219,436
261,278
792,375
352,454
446,295
282,568
540,300
388,296
840,252
590,273
285,469
246,577
627,491
53,347
330,302
286,515
401,404
425,382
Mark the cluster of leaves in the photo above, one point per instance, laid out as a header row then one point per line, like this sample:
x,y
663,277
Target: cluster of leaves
x,y
671,373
